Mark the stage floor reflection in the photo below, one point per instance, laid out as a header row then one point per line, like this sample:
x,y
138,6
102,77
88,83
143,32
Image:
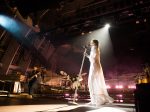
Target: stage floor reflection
x,y
38,104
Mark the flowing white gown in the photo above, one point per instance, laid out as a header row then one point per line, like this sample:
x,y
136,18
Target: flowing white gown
x,y
96,82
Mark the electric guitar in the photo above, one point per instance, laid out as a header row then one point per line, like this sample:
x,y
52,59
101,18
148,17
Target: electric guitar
x,y
35,75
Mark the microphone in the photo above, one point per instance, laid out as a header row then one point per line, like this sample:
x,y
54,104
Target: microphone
x,y
85,46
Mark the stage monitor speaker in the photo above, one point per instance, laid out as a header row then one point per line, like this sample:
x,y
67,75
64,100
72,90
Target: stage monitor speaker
x,y
2,83
142,97
9,86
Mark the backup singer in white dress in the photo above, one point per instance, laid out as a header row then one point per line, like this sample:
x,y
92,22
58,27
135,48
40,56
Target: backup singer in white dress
x,y
96,82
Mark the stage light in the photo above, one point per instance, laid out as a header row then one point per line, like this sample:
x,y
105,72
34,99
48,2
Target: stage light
x,y
4,20
82,33
119,95
107,26
90,31
131,87
10,24
145,20
67,94
121,101
119,86
16,28
108,86
137,21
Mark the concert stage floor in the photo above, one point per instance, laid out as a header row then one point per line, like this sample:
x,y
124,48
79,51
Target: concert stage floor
x,y
13,104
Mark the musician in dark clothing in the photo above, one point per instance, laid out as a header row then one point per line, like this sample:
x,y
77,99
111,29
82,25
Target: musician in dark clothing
x,y
43,74
33,81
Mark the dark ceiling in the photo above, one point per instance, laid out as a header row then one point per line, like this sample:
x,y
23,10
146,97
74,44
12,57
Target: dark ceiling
x,y
61,19
78,13
71,17
31,6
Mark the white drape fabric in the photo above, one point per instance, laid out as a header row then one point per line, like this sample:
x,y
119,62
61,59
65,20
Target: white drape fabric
x,y
96,82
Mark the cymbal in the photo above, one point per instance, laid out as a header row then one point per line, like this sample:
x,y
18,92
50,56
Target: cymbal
x,y
63,73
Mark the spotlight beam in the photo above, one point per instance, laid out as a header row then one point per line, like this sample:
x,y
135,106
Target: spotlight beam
x,y
107,26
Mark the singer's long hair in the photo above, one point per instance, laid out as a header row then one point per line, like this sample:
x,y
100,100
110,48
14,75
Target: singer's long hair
x,y
96,43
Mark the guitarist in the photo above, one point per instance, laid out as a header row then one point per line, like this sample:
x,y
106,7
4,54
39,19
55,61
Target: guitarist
x,y
33,80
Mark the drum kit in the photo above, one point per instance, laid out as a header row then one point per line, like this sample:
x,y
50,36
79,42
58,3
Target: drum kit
x,y
71,83
65,81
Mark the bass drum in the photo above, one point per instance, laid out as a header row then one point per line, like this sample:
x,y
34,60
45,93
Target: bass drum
x,y
62,82
22,78
75,84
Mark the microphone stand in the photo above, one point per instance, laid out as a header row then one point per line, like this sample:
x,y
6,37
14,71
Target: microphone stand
x,y
79,78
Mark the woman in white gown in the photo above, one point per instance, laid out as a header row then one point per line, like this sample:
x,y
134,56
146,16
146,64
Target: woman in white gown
x,y
96,82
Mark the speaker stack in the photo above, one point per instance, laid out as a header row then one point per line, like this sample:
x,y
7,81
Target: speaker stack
x,y
142,97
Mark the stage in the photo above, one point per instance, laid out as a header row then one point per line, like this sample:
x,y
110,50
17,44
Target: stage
x,y
14,104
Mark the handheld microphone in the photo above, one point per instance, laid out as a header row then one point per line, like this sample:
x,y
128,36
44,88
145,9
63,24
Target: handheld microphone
x,y
85,46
